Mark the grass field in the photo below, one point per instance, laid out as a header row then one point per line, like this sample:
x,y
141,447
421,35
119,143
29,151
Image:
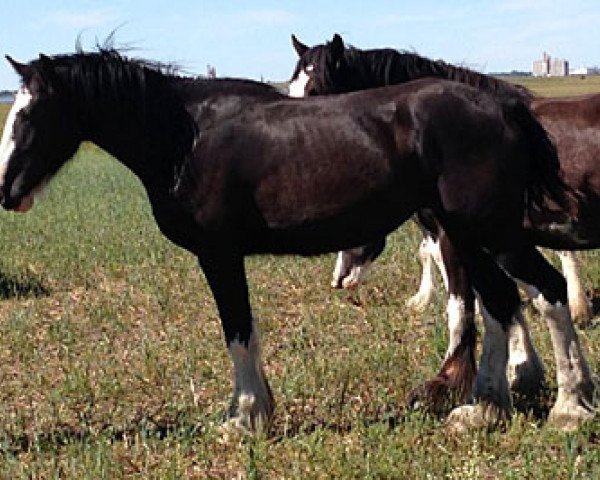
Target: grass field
x,y
112,362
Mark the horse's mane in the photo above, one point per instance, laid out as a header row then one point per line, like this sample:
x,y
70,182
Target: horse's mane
x,y
391,66
108,72
152,92
104,73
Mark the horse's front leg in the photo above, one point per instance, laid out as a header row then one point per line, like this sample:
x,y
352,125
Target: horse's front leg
x,y
525,368
252,404
500,307
579,304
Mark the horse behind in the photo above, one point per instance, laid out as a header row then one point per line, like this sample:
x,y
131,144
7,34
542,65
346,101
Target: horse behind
x,y
234,168
573,123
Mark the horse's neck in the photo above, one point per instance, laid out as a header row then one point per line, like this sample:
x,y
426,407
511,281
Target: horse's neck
x,y
128,135
367,70
380,67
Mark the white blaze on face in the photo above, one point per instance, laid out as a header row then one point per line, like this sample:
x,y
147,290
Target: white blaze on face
x,y
297,87
7,144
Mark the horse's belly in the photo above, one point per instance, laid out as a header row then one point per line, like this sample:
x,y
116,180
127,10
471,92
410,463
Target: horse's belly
x,y
349,228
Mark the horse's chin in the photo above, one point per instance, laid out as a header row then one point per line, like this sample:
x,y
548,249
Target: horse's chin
x,y
25,204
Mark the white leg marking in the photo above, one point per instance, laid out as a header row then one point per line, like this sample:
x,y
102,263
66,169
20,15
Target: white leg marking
x,y
576,388
525,370
491,385
7,144
581,307
436,253
349,272
252,405
341,267
357,274
423,296
457,318
297,86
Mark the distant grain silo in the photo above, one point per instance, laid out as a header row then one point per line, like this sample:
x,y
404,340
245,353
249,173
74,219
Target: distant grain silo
x,y
541,68
559,68
548,67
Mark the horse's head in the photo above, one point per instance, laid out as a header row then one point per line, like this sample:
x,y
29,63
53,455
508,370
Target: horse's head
x,y
320,69
39,136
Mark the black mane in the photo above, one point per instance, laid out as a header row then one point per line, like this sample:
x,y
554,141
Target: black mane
x,y
360,69
391,64
146,89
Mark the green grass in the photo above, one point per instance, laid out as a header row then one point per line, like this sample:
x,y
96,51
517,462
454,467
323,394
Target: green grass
x,y
560,86
105,327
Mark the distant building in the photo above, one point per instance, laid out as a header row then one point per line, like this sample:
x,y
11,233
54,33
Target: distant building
x,y
548,67
559,68
585,71
580,71
541,68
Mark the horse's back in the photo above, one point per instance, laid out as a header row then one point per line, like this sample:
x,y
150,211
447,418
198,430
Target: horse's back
x,y
581,110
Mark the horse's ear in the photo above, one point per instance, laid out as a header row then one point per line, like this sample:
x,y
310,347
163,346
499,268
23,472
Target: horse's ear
x,y
45,59
30,75
24,70
298,46
337,46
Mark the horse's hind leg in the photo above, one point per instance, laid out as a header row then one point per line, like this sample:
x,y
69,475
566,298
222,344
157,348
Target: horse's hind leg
x,y
525,370
500,306
352,265
428,253
252,404
454,382
576,388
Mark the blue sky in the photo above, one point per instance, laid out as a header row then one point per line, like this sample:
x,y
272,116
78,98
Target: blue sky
x,y
252,39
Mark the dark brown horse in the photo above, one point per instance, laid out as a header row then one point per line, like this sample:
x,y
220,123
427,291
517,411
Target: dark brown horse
x,y
573,123
234,168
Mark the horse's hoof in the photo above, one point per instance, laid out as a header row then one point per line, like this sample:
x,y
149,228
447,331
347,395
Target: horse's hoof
x,y
570,412
468,417
572,419
251,414
417,302
350,282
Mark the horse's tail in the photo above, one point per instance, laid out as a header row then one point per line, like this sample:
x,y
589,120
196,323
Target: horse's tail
x,y
545,190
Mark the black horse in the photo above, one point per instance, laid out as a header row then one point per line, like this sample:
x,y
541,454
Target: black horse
x,y
335,68
234,168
